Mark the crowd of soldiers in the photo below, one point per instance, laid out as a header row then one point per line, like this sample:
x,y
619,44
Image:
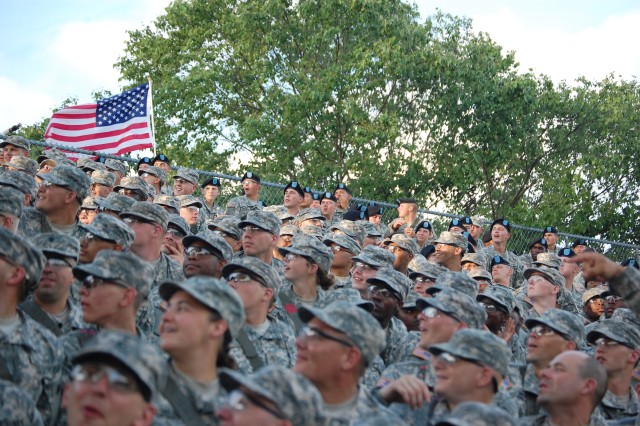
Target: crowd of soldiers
x,y
127,299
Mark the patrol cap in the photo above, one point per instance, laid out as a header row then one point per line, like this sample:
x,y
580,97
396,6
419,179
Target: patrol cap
x,y
215,294
296,187
541,241
404,242
550,274
566,252
213,240
481,346
56,244
189,201
144,160
178,223
69,177
119,266
189,175
289,230
328,196
417,262
626,315
88,165
265,274
264,220
111,229
170,201
344,187
376,257
131,352
160,157
147,212
296,399
428,270
594,292
452,239
457,305
618,331
353,229
500,295
579,242
103,177
362,328
346,294
214,181
116,202
23,253
23,164
312,249
154,171
229,225
630,262
550,260
499,260
503,222
410,300
344,241
474,258
550,230
371,230
481,274
478,220
90,203
396,281
11,201
562,322
473,413
405,200
425,224
17,141
459,281
133,183
115,166
50,154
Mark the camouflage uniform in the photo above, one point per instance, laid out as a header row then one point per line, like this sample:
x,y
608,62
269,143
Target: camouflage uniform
x,y
518,271
627,285
241,206
20,181
478,414
23,164
17,406
11,201
543,420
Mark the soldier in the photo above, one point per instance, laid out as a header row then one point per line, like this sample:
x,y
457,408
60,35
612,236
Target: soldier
x,y
618,351
14,146
483,278
51,305
477,414
344,196
335,346
501,271
579,245
293,197
88,210
177,229
273,395
424,233
59,200
161,161
154,176
143,163
344,249
373,236
408,312
189,210
30,355
203,315
328,205
51,158
425,277
263,339
117,167
23,183
593,304
543,289
536,247
477,227
133,187
104,233
473,261
11,201
574,282
571,387
500,233
404,248
260,234
22,164
450,247
308,198
114,204
287,233
210,189
457,226
115,378
407,216
240,206
170,203
457,280
102,183
367,264
205,253
550,235
309,216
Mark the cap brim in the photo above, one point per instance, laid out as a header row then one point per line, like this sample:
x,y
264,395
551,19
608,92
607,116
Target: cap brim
x,y
137,216
423,303
231,380
532,322
190,239
254,223
82,271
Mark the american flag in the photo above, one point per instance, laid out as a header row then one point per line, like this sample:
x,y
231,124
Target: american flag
x,y
114,125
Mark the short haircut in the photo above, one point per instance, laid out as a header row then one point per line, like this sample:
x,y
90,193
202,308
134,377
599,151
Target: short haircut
x,y
592,369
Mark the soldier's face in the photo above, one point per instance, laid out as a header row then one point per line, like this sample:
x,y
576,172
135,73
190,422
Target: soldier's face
x,y
100,190
456,377
86,216
385,304
422,283
102,303
541,349
470,266
499,234
11,151
436,329
306,202
551,238
208,264
257,242
360,273
210,193
250,187
616,359
252,292
536,249
539,286
162,165
423,235
501,274
183,187
90,245
51,198
327,207
55,282
190,214
594,308
297,267
292,198
560,381
341,257
568,269
375,219
445,253
476,231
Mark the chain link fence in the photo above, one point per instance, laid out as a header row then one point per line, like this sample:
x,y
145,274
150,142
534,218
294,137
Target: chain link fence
x,y
272,194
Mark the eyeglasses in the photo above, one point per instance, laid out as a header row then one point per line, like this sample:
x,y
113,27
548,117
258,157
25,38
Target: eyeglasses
x,y
192,209
178,181
48,185
382,292
90,282
290,257
133,194
394,249
431,312
423,280
89,237
252,229
133,220
541,330
336,248
604,342
313,334
201,251
93,373
58,263
612,299
238,402
241,277
440,246
363,267
596,301
144,175
223,234
175,233
449,359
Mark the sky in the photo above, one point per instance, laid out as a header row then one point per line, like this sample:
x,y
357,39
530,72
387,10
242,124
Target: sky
x,y
54,50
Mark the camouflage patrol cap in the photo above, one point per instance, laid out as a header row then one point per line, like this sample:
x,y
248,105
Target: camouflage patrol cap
x,y
396,281
459,281
123,267
189,201
70,177
15,140
562,322
353,229
110,228
344,241
116,202
133,183
457,305
215,294
371,230
417,262
264,220
11,201
477,345
213,240
58,244
346,294
20,181
154,171
477,414
266,274
410,300
453,239
23,253
550,260
407,243
284,217
88,165
481,274
279,211
310,248
189,175
148,212
550,274
170,201
358,325
376,257
52,154
615,330
228,225
594,292
116,166
296,399
289,230
23,164
132,352
103,177
313,231
501,295
626,315
90,203
308,213
474,258
177,222
429,270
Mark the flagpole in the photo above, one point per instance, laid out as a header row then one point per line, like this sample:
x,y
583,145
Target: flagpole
x,y
153,127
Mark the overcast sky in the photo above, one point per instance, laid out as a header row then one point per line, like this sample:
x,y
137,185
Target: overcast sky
x,y
53,50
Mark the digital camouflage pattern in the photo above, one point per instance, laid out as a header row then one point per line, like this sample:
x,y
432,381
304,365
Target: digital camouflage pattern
x,y
110,228
17,406
116,165
344,241
116,202
262,219
477,414
148,212
311,248
187,174
70,177
407,243
24,254
265,273
17,141
241,206
178,222
103,177
454,238
213,240
459,281
397,281
23,164
353,229
428,270
155,171
565,323
170,201
458,305
11,201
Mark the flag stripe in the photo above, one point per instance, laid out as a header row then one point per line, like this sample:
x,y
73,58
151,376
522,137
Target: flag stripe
x,y
95,132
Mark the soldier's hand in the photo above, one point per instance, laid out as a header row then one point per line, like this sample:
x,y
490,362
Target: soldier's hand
x,y
397,223
597,267
408,231
175,252
508,330
408,389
